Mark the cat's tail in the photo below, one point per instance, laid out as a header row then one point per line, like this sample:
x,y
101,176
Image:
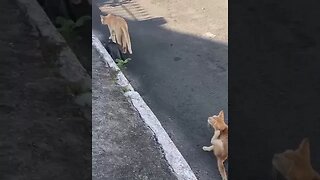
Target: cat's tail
x,y
128,41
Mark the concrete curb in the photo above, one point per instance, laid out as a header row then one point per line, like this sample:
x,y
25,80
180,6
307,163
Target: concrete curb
x,y
175,159
69,66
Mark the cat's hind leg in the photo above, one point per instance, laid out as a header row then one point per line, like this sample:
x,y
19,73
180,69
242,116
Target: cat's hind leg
x,y
222,169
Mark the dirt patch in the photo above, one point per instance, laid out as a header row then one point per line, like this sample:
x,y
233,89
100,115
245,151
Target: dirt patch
x,y
198,18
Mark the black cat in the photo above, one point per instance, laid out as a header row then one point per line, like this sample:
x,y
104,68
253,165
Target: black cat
x,y
114,50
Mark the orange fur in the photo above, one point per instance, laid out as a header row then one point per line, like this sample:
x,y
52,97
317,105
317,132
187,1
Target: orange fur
x,y
119,33
219,142
295,164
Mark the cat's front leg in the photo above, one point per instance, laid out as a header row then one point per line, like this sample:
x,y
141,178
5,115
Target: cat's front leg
x,y
112,35
207,148
215,136
110,31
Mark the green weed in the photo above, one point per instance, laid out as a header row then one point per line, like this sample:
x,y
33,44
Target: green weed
x,y
68,26
122,63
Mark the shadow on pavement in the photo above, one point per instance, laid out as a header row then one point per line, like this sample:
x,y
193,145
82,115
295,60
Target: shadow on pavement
x,y
112,2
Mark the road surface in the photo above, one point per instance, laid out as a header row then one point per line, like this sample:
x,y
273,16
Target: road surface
x,y
180,72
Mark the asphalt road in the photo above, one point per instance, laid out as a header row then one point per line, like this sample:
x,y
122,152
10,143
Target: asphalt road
x,y
183,79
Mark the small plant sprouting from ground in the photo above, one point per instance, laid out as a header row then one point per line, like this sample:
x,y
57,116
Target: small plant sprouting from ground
x,y
68,26
122,63
125,89
113,75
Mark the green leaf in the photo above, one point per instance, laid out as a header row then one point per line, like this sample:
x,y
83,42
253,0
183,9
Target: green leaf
x,y
64,21
82,20
60,20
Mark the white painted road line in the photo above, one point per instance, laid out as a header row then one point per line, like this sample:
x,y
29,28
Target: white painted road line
x,y
175,159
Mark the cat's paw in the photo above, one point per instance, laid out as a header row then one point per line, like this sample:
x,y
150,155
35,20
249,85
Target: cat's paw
x,y
205,148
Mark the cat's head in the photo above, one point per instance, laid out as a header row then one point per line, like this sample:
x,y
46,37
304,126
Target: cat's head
x,y
217,121
295,164
104,19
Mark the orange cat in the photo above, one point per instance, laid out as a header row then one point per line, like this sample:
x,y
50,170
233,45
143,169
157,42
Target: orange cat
x,y
119,33
295,164
219,142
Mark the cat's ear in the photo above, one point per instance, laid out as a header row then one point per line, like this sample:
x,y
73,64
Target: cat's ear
x,y
221,114
304,149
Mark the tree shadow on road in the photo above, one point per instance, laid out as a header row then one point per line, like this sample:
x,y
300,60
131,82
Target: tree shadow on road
x,y
112,3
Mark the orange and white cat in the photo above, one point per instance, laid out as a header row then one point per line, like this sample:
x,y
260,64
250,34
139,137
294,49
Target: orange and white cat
x,y
295,164
219,142
118,29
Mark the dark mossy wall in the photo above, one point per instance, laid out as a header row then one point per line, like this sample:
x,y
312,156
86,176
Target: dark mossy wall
x,y
80,42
